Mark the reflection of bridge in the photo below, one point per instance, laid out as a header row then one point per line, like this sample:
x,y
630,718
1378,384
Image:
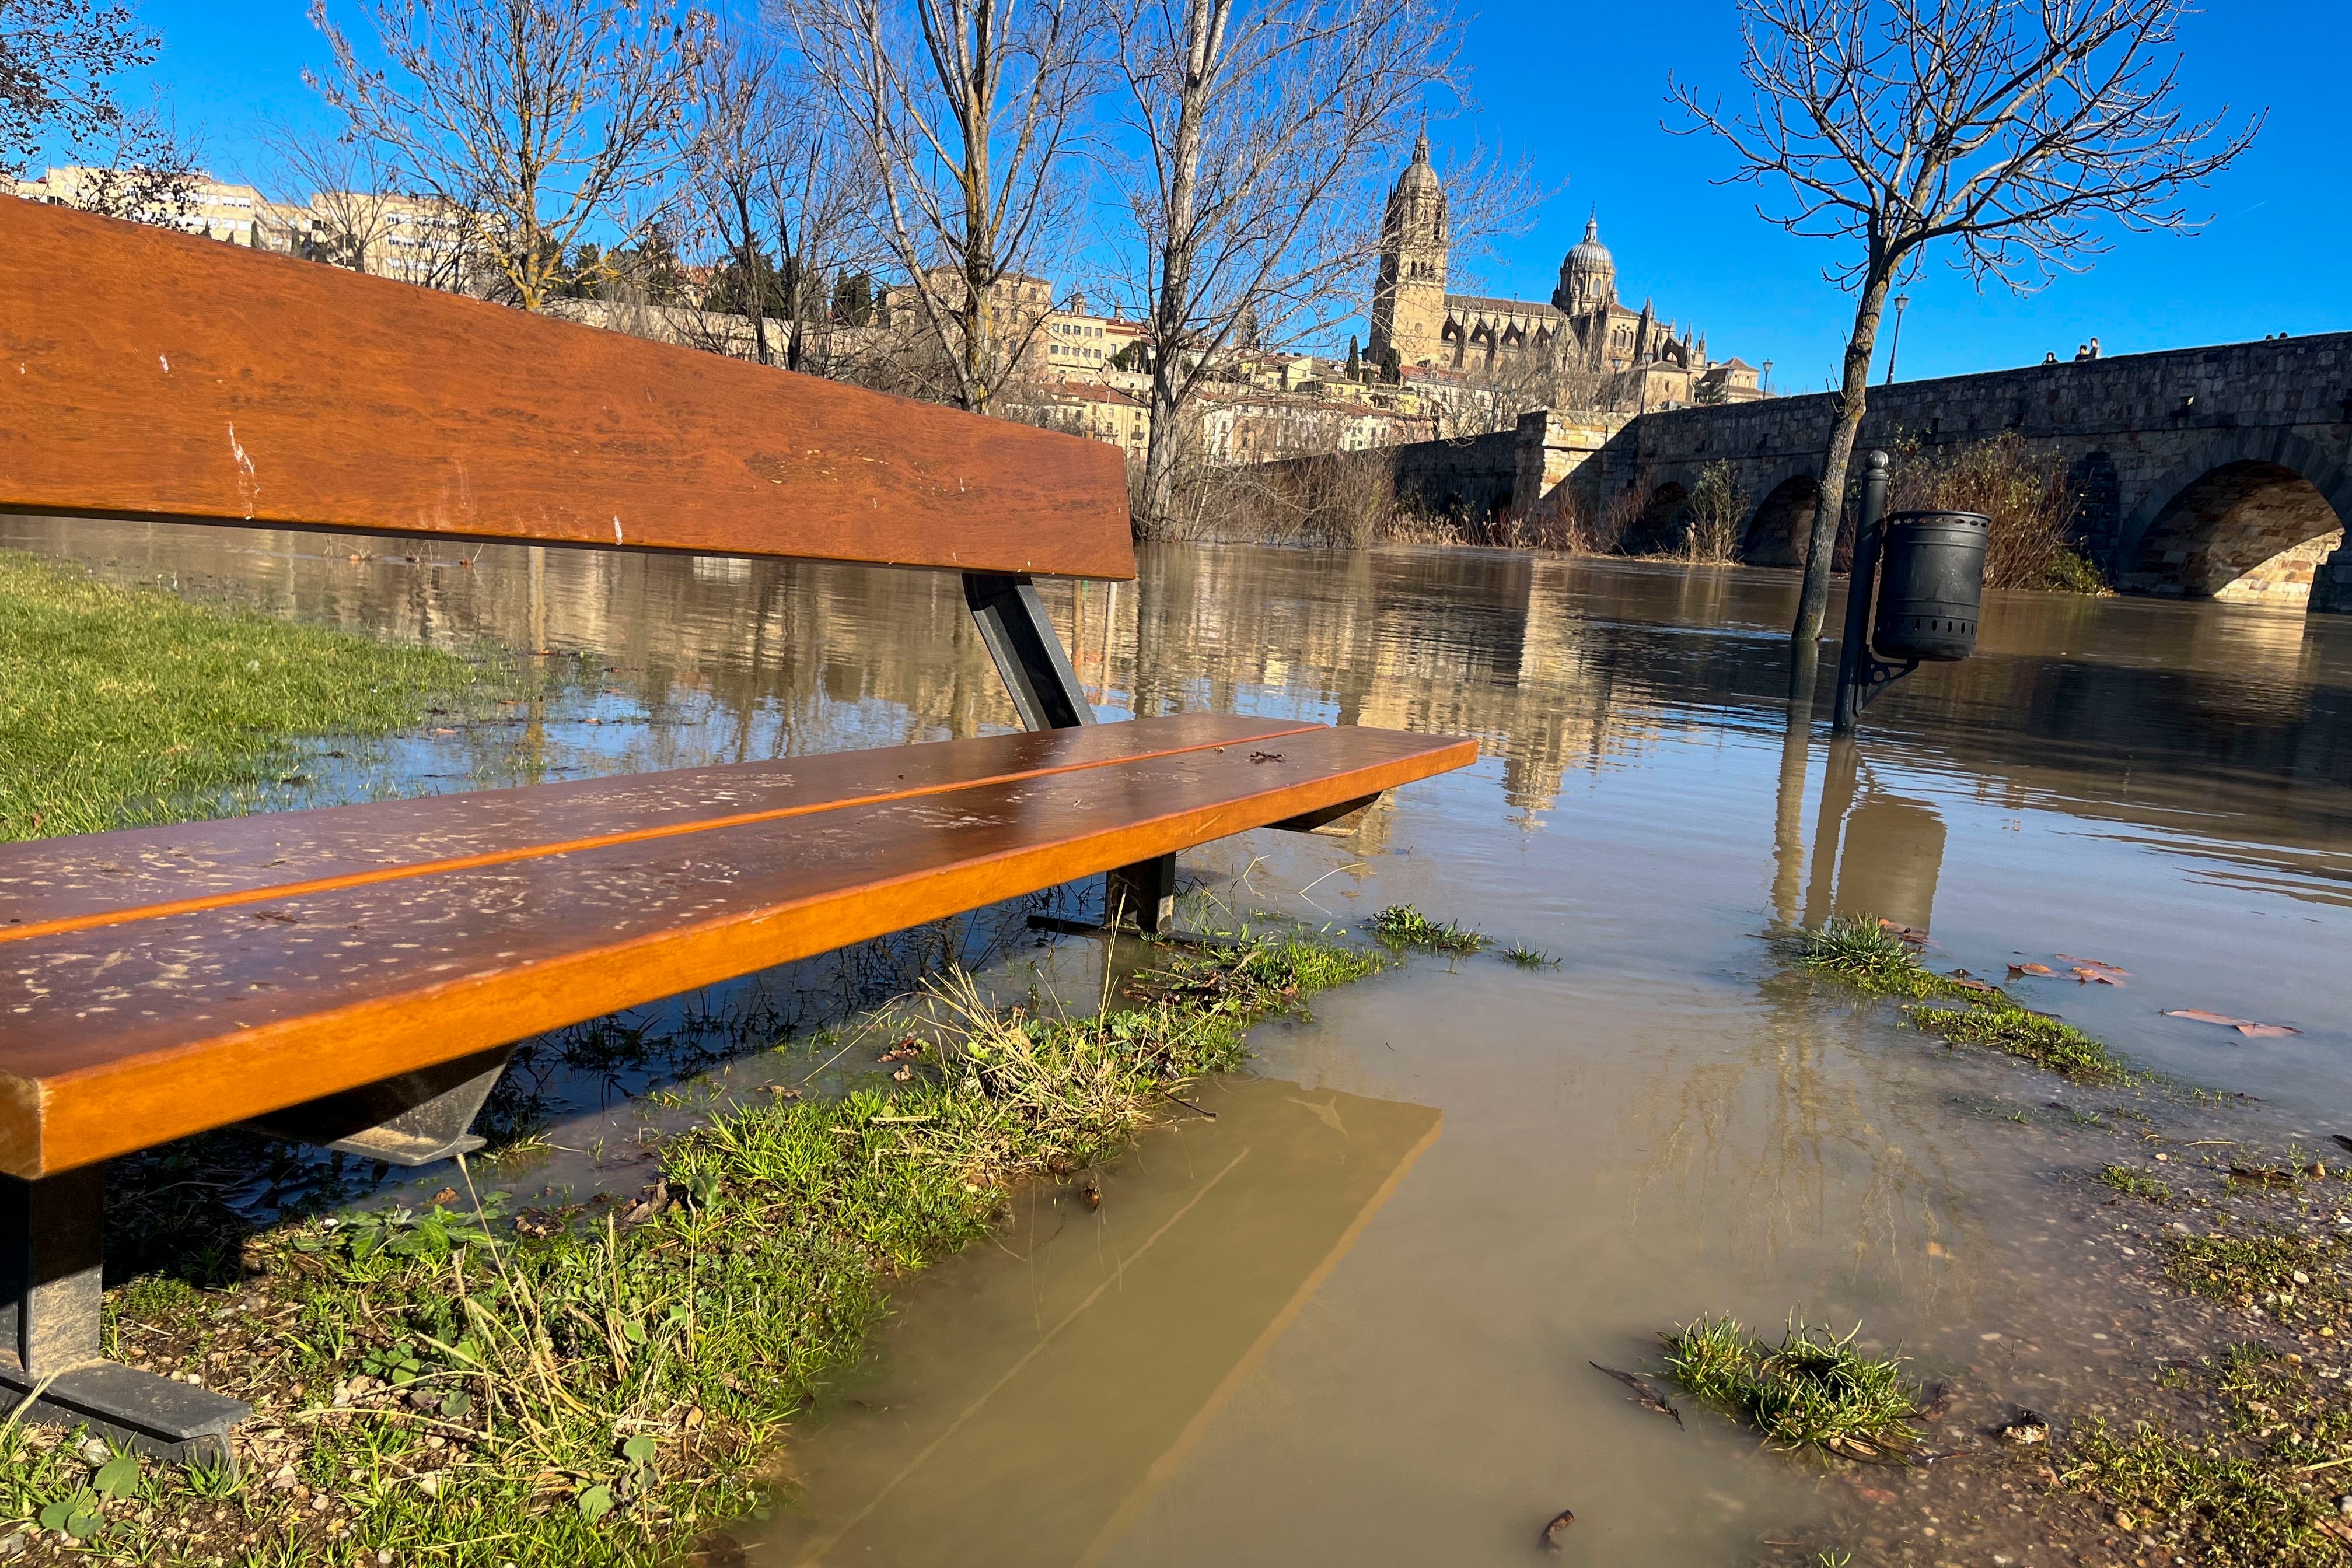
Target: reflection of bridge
x,y
2221,472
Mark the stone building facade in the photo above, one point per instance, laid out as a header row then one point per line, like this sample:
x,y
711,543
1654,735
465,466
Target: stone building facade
x,y
1642,361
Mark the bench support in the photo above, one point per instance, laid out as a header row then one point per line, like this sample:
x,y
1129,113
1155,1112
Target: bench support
x,y
1047,695
412,1120
49,1310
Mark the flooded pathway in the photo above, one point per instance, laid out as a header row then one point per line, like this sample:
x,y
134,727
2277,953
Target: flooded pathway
x,y
1349,1319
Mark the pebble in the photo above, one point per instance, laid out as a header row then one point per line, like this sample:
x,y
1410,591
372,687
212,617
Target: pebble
x,y
2344,1505
96,1451
12,1544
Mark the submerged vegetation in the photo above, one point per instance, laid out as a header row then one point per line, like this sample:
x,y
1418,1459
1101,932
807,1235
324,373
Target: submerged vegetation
x,y
1402,926
1814,1390
125,707
453,1384
1860,952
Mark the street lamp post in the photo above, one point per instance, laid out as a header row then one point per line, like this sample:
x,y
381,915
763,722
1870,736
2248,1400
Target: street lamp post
x,y
1901,303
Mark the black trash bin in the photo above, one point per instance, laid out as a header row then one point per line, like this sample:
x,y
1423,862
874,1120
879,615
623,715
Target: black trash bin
x,y
1932,587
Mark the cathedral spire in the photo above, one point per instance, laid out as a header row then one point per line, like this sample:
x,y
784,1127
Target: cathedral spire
x,y
1421,142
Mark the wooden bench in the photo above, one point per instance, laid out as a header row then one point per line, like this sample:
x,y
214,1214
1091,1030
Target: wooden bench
x,y
357,975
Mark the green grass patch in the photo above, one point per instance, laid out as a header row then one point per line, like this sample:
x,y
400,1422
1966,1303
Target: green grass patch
x,y
2134,1184
1857,951
2293,1278
602,1385
1528,957
1402,926
2246,1499
2003,1026
125,707
1814,1390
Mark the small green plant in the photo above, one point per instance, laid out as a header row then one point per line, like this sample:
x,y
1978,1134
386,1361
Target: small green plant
x,y
1402,926
2135,1184
1815,1389
1859,951
1528,957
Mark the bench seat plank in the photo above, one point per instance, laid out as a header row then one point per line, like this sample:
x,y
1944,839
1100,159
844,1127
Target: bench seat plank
x,y
120,1036
68,884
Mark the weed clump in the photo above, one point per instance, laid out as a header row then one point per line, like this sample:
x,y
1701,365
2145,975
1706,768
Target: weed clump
x,y
1814,1390
1402,926
2135,1184
1528,957
1859,951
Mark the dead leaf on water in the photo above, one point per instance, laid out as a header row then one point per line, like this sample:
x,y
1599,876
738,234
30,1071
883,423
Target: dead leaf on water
x,y
2029,968
2243,1026
2085,975
2092,963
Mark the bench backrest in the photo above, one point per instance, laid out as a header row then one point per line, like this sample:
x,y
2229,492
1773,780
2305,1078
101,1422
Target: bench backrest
x,y
146,373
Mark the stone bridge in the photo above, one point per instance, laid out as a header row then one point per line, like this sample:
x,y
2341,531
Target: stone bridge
x,y
2221,472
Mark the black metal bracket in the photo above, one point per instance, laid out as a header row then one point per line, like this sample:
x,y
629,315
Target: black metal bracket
x,y
1028,654
413,1119
1872,675
50,1283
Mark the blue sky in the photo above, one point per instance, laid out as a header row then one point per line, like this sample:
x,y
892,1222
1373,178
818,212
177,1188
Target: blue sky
x,y
1580,91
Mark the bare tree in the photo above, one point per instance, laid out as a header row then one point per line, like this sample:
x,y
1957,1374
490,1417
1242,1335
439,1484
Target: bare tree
x,y
1262,129
2009,128
762,167
356,216
545,118
969,111
58,63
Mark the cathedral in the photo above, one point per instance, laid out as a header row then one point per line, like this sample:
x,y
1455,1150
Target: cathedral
x,y
1641,361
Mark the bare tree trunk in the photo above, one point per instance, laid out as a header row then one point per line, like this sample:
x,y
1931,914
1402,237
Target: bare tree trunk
x,y
1853,398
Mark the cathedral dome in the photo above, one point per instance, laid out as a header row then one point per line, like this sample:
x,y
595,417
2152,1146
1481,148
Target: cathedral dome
x,y
1588,275
1591,259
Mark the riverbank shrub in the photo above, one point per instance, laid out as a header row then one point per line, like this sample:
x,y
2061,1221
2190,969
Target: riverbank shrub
x,y
458,1384
1815,1389
2023,488
121,707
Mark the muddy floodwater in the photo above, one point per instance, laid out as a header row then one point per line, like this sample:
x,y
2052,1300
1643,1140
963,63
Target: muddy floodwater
x,y
1348,1317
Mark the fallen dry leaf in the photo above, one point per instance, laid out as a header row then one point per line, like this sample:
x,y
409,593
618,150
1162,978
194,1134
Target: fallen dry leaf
x,y
1963,979
2094,962
2029,968
2243,1026
2085,975
1909,934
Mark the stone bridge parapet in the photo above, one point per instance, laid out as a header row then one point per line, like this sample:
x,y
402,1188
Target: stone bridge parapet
x,y
2220,472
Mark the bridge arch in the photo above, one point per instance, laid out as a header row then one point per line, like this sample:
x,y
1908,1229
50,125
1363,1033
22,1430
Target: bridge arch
x,y
2248,518
1783,520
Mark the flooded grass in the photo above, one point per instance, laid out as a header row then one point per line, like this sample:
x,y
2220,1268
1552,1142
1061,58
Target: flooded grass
x,y
1814,1390
1400,926
2267,1501
437,1384
1528,957
121,707
2134,1184
1860,952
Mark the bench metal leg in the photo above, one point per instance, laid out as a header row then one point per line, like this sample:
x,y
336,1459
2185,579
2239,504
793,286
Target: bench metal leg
x,y
412,1120
49,1309
1141,897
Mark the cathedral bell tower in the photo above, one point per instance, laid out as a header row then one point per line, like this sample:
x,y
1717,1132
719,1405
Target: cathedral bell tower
x,y
1409,296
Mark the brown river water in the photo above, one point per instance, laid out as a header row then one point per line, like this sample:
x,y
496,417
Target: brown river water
x,y
1348,1318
